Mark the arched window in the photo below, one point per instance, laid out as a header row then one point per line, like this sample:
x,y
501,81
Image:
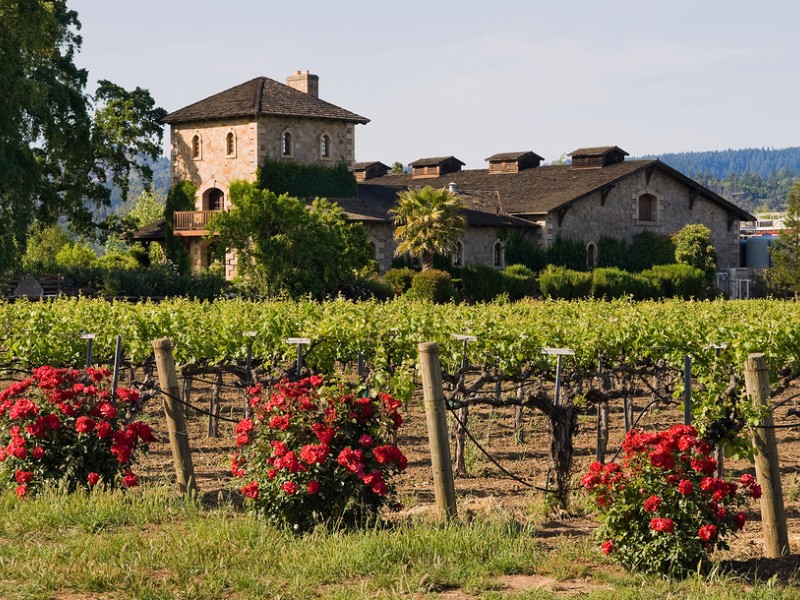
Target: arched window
x,y
648,208
286,144
215,199
498,254
197,146
458,255
230,144
325,146
591,255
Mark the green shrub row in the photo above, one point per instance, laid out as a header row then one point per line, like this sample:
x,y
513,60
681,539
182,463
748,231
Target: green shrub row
x,y
660,281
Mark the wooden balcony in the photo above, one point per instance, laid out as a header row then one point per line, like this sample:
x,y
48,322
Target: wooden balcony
x,y
192,222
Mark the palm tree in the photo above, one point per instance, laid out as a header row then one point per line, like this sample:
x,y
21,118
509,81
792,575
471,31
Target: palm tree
x,y
427,221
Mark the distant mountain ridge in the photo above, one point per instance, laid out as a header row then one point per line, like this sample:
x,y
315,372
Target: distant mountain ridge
x,y
757,179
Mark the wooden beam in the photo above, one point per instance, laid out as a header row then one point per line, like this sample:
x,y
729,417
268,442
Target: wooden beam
x,y
562,210
693,194
648,173
604,193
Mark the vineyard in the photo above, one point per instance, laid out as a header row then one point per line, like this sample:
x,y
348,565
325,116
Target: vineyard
x,y
618,352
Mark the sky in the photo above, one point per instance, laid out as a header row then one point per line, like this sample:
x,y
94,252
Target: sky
x,y
471,79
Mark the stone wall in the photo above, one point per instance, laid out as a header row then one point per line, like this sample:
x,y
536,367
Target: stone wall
x,y
306,139
478,243
590,219
214,168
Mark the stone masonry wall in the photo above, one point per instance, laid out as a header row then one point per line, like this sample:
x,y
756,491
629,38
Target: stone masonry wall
x,y
214,168
306,138
478,244
588,220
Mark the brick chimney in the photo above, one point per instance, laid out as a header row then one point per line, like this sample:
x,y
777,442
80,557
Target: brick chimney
x,y
304,82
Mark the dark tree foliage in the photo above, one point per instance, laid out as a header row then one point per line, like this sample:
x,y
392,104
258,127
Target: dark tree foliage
x,y
181,197
785,272
58,146
648,249
285,247
307,181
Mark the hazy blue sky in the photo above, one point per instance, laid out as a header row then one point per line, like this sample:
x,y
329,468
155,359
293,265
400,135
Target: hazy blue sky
x,y
471,79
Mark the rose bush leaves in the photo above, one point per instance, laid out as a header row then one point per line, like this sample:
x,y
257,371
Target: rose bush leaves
x,y
316,452
62,425
663,512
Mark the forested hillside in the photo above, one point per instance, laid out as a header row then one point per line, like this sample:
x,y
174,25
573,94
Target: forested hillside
x,y
757,179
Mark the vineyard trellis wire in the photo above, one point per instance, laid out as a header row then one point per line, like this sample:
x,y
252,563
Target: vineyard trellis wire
x,y
625,351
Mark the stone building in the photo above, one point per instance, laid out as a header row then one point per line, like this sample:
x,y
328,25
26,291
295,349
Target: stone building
x,y
229,135
598,194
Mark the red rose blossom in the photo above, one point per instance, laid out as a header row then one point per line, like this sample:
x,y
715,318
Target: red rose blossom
x,y
662,524
685,487
707,532
652,504
93,478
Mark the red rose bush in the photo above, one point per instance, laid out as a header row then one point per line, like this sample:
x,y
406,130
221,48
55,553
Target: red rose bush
x,y
663,511
62,425
314,453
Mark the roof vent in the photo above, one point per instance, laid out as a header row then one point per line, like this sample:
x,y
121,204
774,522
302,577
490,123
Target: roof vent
x,y
597,157
513,162
369,170
452,187
435,167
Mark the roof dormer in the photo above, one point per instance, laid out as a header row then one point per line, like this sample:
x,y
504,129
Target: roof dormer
x,y
513,162
369,170
597,157
435,167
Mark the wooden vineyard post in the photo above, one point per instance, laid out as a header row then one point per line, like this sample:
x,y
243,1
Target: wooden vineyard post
x,y
176,424
443,486
773,516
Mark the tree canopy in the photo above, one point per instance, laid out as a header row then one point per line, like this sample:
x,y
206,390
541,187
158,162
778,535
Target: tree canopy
x,y
61,149
785,253
428,221
284,247
693,247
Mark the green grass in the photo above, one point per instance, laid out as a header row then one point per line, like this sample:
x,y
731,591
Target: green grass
x,y
149,545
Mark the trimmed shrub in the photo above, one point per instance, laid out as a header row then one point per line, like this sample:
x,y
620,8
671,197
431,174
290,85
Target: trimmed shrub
x,y
364,288
558,282
680,281
615,283
648,249
520,281
522,251
567,253
400,279
432,286
612,252
482,283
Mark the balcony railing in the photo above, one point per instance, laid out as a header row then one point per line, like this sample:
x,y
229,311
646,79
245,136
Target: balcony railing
x,y
193,220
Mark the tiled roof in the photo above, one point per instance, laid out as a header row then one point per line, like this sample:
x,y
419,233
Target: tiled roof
x,y
434,161
259,97
596,151
539,190
374,202
504,156
154,232
360,166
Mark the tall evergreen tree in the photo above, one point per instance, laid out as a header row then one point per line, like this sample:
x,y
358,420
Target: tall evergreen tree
x,y
786,251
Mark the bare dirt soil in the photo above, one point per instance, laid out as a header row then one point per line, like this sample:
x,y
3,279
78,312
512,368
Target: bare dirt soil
x,y
486,489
